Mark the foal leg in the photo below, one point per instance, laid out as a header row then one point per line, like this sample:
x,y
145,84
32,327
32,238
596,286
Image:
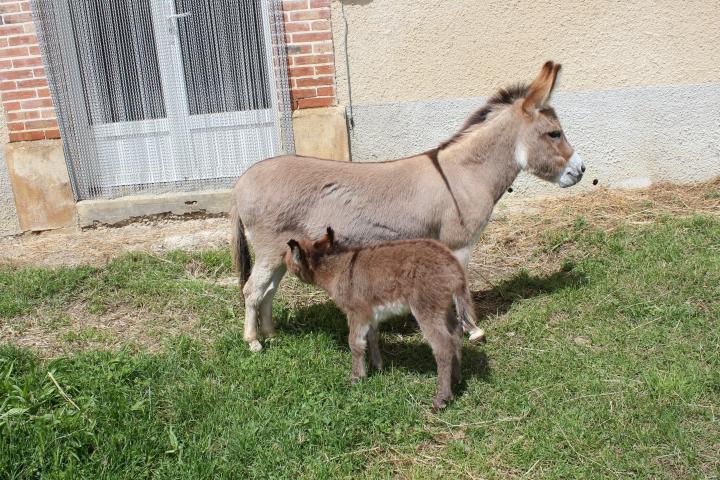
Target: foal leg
x,y
441,341
267,328
373,339
357,339
254,292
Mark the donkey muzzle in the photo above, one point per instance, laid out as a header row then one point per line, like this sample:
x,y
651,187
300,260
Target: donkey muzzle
x,y
573,172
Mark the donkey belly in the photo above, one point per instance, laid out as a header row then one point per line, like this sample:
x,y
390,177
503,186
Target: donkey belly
x,y
389,310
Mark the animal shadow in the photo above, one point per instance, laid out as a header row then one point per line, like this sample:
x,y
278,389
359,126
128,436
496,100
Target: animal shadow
x,y
401,344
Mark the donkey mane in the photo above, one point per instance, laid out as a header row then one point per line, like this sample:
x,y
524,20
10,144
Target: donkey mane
x,y
504,96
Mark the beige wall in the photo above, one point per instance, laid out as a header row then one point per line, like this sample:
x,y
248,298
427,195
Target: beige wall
x,y
404,50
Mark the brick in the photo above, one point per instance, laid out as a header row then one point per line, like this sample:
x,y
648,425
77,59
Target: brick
x,y
34,50
27,136
295,72
320,25
26,7
17,18
39,72
47,113
29,115
326,92
14,52
9,85
16,126
299,49
3,42
297,94
11,30
23,40
311,37
314,82
10,7
40,124
43,92
27,62
323,14
36,103
294,5
34,82
325,70
29,28
15,74
52,134
18,95
11,106
5,64
324,47
319,3
312,59
315,102
297,27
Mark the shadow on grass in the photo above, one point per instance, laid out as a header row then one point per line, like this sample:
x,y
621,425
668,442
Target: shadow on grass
x,y
402,346
521,286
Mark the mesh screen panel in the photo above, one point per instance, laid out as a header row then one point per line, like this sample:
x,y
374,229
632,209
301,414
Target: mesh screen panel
x,y
165,95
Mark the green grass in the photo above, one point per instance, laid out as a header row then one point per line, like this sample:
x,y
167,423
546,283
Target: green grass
x,y
609,367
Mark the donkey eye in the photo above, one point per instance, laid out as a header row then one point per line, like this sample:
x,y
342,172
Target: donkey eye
x,y
555,134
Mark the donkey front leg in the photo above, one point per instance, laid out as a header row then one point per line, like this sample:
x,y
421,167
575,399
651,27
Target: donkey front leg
x,y
357,339
267,328
255,290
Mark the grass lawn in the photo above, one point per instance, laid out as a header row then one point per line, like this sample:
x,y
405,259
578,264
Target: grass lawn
x,y
606,367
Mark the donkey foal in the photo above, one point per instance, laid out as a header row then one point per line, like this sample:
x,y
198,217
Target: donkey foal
x,y
374,283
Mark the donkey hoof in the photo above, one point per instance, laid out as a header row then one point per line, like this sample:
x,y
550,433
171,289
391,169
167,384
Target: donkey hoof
x,y
477,336
439,404
255,346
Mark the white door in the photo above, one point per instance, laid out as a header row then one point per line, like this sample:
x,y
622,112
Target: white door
x,y
175,90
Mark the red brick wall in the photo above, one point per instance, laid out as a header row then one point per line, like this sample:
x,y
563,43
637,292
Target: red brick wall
x,y
311,62
23,86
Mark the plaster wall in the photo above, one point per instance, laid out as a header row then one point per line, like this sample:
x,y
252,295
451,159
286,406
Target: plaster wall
x,y
8,216
638,95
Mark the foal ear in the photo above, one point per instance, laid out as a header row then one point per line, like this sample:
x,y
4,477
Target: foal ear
x,y
295,249
541,88
331,236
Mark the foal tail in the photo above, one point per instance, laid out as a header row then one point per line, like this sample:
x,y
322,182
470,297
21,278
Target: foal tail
x,y
466,314
242,264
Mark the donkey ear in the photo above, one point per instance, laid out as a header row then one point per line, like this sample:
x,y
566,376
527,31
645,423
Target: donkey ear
x,y
331,236
295,249
541,88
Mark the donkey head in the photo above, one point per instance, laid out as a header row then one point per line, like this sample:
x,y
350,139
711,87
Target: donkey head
x,y
303,256
541,147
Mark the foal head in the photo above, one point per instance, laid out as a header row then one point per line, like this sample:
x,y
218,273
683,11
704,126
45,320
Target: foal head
x,y
303,256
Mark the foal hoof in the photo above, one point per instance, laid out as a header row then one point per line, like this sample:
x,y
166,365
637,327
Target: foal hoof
x,y
439,404
255,346
477,336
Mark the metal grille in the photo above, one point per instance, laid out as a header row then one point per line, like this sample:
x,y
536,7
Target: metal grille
x,y
165,95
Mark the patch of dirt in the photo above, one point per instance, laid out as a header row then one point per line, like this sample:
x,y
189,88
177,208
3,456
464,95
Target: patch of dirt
x,y
97,246
52,334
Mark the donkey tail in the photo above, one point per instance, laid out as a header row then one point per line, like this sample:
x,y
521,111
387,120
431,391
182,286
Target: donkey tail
x,y
466,314
242,264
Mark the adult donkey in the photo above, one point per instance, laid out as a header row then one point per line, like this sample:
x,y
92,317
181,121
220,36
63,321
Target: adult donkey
x,y
445,194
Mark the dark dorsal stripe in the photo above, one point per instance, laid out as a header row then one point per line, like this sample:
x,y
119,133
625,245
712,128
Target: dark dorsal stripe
x,y
504,96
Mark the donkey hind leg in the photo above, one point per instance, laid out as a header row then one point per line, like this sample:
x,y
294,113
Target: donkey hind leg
x,y
445,344
357,338
373,339
267,328
254,291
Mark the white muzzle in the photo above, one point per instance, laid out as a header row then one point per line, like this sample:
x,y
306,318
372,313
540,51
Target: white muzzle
x,y
573,172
